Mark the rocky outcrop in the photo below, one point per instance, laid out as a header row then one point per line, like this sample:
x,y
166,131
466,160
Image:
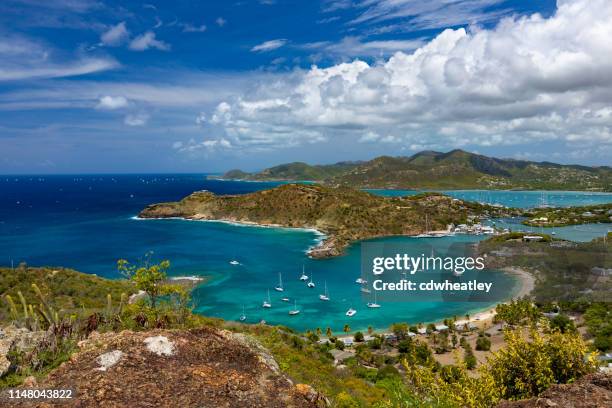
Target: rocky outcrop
x,y
592,391
19,339
203,367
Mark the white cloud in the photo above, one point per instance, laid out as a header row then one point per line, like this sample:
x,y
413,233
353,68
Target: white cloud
x,y
147,40
221,21
24,58
116,35
139,119
418,15
109,102
269,45
529,79
192,146
190,28
355,47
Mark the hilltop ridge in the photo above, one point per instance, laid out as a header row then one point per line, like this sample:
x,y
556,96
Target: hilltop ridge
x,y
343,214
455,169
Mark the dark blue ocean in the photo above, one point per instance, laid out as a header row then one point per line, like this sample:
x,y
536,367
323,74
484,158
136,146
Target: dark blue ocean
x,y
87,223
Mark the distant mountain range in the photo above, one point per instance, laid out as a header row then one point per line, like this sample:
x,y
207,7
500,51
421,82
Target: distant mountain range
x,y
456,169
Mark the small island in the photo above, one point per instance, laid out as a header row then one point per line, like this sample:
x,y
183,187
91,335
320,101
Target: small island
x,y
343,214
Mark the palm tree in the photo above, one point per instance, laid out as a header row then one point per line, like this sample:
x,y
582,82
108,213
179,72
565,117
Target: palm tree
x,y
467,317
328,332
370,330
319,331
347,328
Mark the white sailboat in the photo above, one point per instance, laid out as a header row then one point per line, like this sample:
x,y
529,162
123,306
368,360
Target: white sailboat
x,y
243,315
234,262
267,303
426,234
373,305
295,310
351,312
325,295
285,299
311,284
304,277
361,281
279,287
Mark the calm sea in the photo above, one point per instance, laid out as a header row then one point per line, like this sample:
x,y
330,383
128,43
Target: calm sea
x,y
86,223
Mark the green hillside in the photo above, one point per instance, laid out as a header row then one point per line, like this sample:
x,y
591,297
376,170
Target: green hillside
x,y
434,170
343,213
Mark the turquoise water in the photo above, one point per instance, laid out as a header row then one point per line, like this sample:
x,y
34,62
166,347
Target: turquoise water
x,y
517,199
86,223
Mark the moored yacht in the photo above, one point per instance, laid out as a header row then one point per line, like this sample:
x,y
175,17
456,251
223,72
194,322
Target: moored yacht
x,y
295,310
311,284
267,303
351,312
373,305
243,315
325,295
279,287
304,277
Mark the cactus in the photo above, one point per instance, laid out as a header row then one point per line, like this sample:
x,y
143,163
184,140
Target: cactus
x,y
23,304
109,306
13,308
122,303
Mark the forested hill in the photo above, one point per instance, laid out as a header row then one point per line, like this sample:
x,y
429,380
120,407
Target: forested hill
x,y
456,169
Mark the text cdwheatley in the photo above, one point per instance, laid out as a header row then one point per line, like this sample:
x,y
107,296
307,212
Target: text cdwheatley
x,y
433,286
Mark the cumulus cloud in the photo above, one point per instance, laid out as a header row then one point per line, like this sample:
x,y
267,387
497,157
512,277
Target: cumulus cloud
x,y
146,41
207,145
527,79
138,119
116,35
109,102
269,45
221,21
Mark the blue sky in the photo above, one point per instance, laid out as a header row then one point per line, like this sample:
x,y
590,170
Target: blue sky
x,y
101,86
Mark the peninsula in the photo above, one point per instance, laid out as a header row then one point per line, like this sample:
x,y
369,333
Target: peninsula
x,y
456,169
342,214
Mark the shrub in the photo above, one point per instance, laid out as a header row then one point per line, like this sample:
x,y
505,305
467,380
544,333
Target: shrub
x,y
358,337
483,344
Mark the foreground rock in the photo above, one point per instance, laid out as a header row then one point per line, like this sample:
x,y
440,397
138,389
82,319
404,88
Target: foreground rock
x,y
163,368
592,391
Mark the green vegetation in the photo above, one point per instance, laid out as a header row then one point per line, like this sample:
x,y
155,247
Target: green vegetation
x,y
558,217
564,271
65,290
456,169
344,214
598,319
380,373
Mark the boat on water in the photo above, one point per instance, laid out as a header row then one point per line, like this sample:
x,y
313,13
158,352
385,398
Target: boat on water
x,y
373,305
311,284
243,315
267,303
364,290
325,295
425,234
295,310
234,262
351,312
285,299
361,281
303,277
279,287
